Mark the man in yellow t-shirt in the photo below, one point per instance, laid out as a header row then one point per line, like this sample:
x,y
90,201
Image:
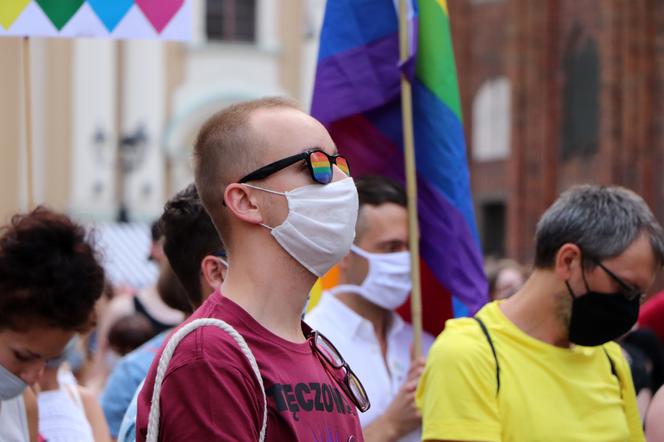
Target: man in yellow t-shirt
x,y
540,366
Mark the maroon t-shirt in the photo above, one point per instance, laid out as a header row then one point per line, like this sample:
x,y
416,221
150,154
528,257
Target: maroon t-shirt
x,y
210,391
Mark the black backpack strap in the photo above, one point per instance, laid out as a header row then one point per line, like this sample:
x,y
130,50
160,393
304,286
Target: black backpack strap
x,y
493,350
613,365
613,369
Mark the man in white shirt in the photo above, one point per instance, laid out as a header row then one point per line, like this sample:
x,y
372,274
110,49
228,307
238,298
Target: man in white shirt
x,y
358,315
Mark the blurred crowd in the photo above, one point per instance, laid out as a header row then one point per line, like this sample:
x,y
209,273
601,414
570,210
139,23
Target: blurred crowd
x,y
79,357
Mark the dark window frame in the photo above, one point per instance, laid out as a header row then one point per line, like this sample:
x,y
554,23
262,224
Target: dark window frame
x,y
231,21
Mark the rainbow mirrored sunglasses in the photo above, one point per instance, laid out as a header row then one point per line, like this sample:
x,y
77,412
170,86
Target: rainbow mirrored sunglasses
x,y
318,161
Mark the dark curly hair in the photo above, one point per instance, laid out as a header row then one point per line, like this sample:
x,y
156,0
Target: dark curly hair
x,y
189,236
49,273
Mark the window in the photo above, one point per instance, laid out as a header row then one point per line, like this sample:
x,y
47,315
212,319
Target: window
x,y
491,120
231,20
493,228
580,122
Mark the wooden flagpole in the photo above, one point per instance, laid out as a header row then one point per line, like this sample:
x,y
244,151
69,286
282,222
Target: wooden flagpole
x,y
411,181
27,104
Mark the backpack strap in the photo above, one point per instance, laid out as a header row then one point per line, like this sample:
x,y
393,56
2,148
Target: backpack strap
x,y
165,359
485,331
614,372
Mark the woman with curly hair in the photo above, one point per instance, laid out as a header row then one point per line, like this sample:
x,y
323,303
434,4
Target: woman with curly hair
x,y
50,279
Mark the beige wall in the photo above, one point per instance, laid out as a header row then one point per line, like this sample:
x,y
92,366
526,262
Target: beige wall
x,y
10,125
65,168
50,86
292,34
57,124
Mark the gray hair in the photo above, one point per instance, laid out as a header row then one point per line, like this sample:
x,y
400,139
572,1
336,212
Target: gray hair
x,y
602,221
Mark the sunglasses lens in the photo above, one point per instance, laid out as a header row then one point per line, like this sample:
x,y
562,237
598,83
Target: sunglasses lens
x,y
342,164
320,167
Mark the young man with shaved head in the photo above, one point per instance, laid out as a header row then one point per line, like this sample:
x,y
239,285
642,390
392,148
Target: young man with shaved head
x,y
285,207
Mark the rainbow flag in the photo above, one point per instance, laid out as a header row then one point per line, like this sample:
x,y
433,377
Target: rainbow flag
x,y
357,97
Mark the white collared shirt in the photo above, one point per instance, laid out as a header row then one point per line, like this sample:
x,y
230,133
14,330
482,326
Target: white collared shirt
x,y
354,337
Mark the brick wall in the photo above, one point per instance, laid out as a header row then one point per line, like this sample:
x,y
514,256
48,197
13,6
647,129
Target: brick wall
x,y
587,81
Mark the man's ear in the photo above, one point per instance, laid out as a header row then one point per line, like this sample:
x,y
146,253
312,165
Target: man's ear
x,y
240,200
213,272
568,258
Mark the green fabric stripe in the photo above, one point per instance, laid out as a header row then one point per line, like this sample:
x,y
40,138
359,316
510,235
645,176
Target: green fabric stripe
x,y
435,56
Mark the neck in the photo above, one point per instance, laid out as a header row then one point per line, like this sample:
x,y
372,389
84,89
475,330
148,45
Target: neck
x,y
49,380
541,308
379,317
271,286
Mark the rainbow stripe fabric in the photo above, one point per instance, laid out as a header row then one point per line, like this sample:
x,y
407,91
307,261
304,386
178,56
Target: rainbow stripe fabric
x,y
357,97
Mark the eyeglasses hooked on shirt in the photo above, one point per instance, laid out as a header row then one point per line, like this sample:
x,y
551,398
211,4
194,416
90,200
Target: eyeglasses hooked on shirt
x,y
350,383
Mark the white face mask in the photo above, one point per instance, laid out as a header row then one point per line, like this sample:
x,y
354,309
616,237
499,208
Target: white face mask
x,y
388,281
10,384
320,226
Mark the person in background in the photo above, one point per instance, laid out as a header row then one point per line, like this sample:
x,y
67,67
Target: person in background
x,y
157,243
126,334
375,280
651,315
147,303
505,277
50,279
533,366
192,270
285,207
654,424
67,411
645,354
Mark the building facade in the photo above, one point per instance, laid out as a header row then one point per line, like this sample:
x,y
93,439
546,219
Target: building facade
x,y
113,122
555,93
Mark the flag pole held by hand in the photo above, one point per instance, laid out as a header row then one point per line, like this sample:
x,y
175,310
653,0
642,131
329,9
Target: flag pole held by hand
x,y
411,180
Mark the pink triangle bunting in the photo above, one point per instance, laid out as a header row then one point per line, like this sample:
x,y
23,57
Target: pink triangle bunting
x,y
159,12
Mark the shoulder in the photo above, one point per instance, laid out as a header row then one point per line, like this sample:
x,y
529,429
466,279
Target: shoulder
x,y
31,412
615,352
144,354
654,423
132,366
462,339
29,399
207,344
88,398
460,355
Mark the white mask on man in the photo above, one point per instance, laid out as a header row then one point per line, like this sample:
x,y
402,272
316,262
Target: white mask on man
x,y
320,226
388,281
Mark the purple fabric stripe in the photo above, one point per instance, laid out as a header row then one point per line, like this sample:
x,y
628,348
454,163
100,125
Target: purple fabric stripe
x,y
448,247
447,244
357,80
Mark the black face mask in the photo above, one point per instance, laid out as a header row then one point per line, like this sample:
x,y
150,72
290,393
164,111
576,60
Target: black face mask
x,y
598,317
